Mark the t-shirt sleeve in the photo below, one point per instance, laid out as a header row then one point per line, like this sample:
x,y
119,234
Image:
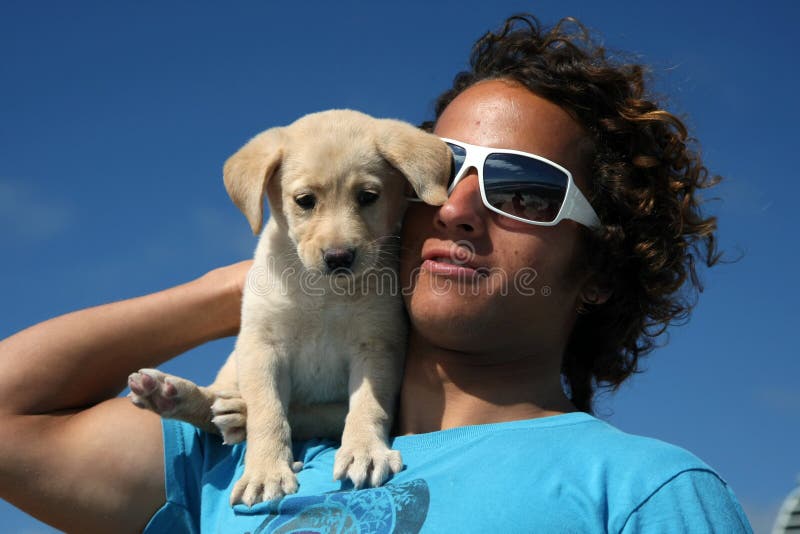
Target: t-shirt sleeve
x,y
696,501
183,467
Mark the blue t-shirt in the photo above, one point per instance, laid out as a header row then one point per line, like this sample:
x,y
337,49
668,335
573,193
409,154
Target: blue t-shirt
x,y
568,473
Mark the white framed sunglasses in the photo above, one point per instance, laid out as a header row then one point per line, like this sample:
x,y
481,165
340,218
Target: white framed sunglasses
x,y
522,186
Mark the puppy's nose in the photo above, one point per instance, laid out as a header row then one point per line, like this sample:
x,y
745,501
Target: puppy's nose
x,y
339,258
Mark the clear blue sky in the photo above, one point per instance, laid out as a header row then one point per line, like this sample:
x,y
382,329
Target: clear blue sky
x,y
115,119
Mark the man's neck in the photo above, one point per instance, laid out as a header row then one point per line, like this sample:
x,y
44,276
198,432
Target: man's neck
x,y
446,389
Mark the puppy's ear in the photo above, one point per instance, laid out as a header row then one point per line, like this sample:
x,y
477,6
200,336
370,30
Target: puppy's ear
x,y
247,172
422,158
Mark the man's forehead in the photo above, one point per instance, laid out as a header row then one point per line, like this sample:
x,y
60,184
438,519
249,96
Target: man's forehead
x,y
503,114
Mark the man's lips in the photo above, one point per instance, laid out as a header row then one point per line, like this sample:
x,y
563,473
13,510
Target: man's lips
x,y
453,262
450,270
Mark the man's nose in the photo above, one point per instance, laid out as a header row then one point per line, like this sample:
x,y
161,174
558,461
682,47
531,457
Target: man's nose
x,y
464,211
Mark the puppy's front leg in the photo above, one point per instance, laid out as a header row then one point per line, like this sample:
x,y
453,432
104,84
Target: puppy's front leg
x,y
264,386
364,456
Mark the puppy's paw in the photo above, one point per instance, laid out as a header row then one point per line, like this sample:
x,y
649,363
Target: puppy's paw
x,y
229,415
366,462
264,483
159,392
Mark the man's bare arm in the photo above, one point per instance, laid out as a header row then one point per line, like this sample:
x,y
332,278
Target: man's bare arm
x,y
70,453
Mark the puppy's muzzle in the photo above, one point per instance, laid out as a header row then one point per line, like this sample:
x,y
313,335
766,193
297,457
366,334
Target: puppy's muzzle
x,y
339,258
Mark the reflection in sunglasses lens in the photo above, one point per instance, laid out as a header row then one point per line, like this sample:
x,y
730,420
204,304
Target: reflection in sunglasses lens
x,y
524,187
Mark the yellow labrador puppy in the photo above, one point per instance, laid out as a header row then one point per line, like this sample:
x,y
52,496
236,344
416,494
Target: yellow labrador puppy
x,y
323,332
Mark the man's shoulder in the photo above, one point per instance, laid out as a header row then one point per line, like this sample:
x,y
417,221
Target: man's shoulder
x,y
583,448
632,450
641,480
580,435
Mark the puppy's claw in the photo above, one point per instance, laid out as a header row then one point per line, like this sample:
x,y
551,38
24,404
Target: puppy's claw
x,y
382,471
367,464
262,486
136,400
232,428
229,415
142,383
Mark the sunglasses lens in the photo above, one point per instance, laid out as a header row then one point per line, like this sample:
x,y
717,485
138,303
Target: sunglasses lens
x,y
524,187
459,155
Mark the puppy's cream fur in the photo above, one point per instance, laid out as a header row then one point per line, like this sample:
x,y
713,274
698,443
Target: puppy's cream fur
x,y
314,346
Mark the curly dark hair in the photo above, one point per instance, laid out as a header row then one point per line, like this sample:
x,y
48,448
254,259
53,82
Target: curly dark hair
x,y
644,181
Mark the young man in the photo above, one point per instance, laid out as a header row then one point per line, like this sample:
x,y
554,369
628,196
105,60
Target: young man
x,y
516,284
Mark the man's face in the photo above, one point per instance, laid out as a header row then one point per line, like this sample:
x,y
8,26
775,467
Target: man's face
x,y
482,282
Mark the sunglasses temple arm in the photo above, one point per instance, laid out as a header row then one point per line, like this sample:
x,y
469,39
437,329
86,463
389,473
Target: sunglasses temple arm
x,y
579,210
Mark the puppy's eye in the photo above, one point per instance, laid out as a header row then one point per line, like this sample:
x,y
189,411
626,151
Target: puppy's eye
x,y
365,198
306,201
